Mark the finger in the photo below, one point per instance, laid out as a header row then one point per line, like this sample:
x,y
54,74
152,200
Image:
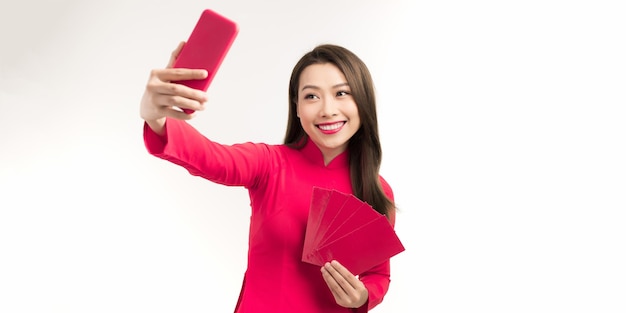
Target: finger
x,y
171,111
351,299
339,277
334,287
158,87
163,100
175,53
176,74
342,271
179,114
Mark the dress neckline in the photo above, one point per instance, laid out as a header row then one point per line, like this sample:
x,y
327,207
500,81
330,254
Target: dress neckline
x,y
313,153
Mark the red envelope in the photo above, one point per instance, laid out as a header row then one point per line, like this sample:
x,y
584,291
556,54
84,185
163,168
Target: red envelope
x,y
342,227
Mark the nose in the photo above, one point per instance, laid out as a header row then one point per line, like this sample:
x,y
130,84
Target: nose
x,y
329,107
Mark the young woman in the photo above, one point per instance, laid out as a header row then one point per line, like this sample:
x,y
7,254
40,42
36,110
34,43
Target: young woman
x,y
331,141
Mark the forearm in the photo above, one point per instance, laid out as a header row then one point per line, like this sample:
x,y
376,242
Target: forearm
x,y
180,143
377,282
157,126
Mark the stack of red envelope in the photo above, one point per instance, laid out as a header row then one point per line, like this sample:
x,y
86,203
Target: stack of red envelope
x,y
342,227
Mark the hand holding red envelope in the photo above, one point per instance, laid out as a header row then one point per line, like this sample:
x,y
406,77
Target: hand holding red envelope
x,y
342,227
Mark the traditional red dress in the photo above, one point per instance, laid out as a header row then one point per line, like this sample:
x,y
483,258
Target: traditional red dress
x,y
279,180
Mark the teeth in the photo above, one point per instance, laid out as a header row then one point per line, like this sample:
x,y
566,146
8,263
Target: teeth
x,y
331,126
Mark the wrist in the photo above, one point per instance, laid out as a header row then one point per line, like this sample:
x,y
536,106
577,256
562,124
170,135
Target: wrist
x,y
157,125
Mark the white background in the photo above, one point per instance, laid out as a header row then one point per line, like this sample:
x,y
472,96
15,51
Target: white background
x,y
502,124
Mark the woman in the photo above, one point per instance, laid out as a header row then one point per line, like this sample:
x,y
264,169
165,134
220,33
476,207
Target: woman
x,y
331,141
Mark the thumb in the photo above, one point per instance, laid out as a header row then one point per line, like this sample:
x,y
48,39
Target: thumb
x,y
175,54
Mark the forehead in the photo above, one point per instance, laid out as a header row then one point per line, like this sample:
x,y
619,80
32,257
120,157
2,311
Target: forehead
x,y
322,75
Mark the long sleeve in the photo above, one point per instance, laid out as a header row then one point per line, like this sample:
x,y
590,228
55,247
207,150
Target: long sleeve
x,y
279,180
377,279
233,165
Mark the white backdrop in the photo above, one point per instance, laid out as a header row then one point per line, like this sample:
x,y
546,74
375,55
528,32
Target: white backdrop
x,y
502,126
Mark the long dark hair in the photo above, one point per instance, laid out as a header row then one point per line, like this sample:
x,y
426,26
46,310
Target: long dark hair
x,y
364,147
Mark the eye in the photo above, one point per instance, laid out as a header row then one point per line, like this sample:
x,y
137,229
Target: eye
x,y
310,96
343,93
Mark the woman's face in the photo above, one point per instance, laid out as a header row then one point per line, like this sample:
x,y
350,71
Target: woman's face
x,y
326,108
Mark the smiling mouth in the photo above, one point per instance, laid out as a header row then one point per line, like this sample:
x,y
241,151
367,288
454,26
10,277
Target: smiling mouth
x,y
331,127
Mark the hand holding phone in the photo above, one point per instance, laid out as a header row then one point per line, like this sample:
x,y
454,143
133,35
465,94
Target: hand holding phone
x,y
206,48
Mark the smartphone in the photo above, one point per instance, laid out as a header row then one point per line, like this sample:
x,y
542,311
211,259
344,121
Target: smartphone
x,y
206,48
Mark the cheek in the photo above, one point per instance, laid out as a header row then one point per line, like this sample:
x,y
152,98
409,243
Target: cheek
x,y
301,110
305,113
353,111
357,122
355,118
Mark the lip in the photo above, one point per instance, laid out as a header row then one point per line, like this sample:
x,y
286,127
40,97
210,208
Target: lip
x,y
331,128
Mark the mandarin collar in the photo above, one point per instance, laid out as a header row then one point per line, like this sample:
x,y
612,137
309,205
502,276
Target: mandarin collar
x,y
314,154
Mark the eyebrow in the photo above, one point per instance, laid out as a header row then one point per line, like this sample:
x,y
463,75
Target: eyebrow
x,y
317,88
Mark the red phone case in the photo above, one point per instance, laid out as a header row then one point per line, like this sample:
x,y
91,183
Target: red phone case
x,y
206,48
